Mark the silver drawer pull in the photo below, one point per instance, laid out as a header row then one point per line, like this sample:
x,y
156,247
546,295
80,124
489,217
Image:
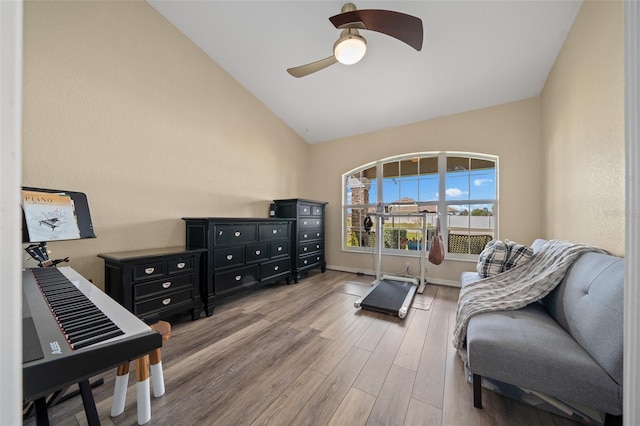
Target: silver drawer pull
x,y
305,249
317,246
276,268
166,301
257,252
279,248
181,265
275,231
317,222
305,209
166,285
304,223
237,233
229,256
305,235
149,271
318,234
238,277
305,261
318,258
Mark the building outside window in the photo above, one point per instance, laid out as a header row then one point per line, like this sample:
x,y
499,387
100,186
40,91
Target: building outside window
x,y
460,188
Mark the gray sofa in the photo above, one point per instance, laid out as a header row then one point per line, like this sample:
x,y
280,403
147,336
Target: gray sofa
x,y
569,345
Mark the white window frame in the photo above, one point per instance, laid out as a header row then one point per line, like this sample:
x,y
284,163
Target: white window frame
x,y
442,203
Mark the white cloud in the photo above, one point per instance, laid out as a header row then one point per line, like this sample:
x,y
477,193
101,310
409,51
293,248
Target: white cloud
x,y
482,182
455,192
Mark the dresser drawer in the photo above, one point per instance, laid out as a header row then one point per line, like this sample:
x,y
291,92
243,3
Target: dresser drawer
x,y
316,210
164,302
234,234
304,209
228,257
309,223
180,266
304,261
309,235
276,267
167,285
312,247
228,280
279,248
257,252
275,231
145,271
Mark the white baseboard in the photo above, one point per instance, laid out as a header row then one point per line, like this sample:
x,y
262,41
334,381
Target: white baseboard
x,y
437,281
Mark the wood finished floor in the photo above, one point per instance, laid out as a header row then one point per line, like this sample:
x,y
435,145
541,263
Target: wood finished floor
x,y
302,355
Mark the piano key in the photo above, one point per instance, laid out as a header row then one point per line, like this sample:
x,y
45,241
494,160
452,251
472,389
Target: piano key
x,y
98,339
81,321
93,331
79,330
73,315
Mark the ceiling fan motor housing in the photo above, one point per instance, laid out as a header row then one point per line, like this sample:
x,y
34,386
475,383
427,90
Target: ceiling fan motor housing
x,y
348,7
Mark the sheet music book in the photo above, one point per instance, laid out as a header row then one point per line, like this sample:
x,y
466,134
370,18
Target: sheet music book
x,y
50,216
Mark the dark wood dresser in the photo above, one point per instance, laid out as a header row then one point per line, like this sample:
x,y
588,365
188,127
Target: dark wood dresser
x,y
307,240
163,281
242,253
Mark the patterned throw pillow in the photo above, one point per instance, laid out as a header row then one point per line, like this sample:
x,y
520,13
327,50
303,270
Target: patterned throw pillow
x,y
492,259
518,254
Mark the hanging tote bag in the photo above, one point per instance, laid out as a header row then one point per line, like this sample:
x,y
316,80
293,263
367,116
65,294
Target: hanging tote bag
x,y
436,252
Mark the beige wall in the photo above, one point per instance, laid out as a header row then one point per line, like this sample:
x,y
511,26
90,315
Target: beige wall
x,y
510,131
120,105
583,132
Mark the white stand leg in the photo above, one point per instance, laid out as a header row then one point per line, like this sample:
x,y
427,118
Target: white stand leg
x,y
119,395
157,379
143,394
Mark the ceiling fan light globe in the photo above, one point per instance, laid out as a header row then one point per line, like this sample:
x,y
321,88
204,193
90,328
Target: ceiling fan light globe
x,y
350,50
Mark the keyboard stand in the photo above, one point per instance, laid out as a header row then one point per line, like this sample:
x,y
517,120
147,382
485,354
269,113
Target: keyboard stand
x,y
88,403
62,396
41,405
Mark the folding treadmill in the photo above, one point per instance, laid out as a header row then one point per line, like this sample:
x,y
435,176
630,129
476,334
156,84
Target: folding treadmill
x,y
393,294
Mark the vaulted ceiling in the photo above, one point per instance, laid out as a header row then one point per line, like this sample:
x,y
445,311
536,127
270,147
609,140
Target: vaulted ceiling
x,y
475,54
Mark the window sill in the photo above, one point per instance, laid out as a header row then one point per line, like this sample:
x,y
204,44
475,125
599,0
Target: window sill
x,y
471,258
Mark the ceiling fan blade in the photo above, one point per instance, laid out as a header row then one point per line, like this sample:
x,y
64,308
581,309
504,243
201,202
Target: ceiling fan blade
x,y
307,69
398,25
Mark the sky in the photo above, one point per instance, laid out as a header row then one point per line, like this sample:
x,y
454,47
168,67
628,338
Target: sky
x,y
464,185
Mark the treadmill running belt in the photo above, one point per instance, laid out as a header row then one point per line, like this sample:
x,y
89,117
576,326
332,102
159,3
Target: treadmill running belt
x,y
387,296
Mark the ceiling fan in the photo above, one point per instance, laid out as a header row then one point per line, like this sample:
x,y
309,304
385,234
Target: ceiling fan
x,y
351,46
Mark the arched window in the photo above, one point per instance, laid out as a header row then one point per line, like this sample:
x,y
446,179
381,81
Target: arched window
x,y
459,187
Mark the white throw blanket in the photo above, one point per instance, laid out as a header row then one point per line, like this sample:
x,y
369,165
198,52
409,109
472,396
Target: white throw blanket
x,y
517,287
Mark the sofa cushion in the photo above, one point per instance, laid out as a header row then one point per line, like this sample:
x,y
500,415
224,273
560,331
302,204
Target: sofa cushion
x,y
492,259
528,348
537,243
588,304
467,278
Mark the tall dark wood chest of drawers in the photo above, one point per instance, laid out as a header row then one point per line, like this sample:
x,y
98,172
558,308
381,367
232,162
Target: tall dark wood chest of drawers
x,y
241,253
163,281
307,240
